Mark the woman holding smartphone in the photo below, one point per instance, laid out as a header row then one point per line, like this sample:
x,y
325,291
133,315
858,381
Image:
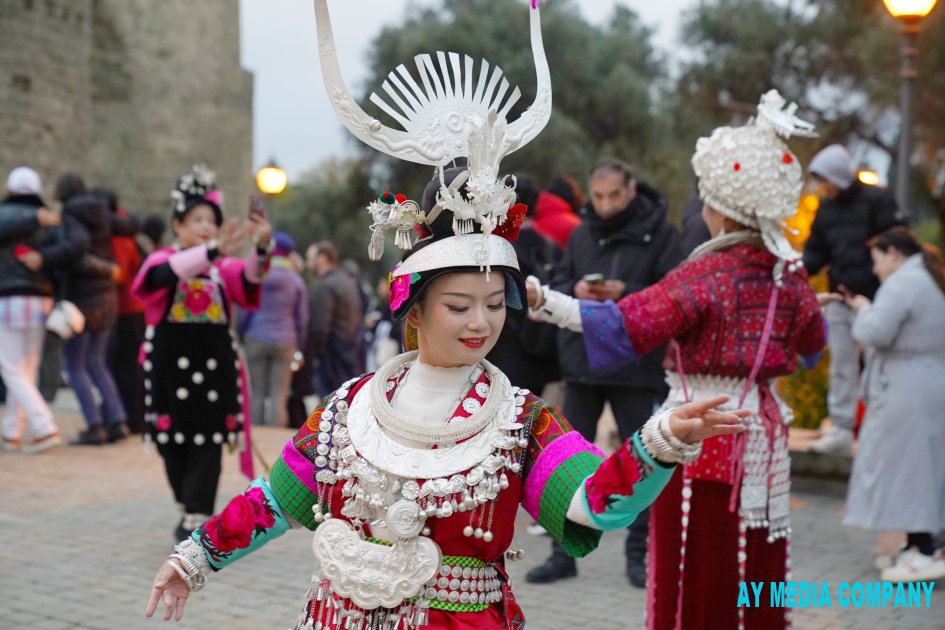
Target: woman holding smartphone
x,y
194,390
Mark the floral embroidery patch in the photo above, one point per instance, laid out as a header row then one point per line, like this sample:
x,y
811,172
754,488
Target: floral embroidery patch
x,y
246,516
197,301
617,476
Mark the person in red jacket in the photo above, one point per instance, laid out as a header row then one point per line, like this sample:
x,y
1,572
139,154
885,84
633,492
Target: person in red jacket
x,y
128,334
556,210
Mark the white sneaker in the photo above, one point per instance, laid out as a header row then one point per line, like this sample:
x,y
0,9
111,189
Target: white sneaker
x,y
912,566
42,444
836,441
9,445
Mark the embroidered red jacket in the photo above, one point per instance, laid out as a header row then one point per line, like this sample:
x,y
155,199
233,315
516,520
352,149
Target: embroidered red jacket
x,y
715,307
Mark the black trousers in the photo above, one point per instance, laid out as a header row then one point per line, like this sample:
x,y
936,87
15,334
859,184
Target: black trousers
x,y
50,367
632,407
194,474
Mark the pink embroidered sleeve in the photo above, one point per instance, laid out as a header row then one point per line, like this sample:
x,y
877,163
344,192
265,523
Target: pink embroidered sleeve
x,y
245,294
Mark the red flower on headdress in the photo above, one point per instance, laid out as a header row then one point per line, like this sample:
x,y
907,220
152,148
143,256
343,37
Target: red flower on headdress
x,y
737,166
509,228
422,230
787,158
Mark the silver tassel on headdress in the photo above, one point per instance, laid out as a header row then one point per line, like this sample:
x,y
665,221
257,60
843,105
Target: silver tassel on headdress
x,y
390,212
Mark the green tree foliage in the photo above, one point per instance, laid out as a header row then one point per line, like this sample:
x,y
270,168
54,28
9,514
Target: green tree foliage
x,y
329,204
603,81
839,59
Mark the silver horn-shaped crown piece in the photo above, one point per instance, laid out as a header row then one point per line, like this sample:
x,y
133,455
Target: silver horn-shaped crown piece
x,y
438,117
446,112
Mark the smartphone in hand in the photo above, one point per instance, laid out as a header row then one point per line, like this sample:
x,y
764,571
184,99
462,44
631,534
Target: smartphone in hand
x,y
257,209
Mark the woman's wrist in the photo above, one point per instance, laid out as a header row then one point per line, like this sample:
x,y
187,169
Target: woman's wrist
x,y
191,564
264,250
660,442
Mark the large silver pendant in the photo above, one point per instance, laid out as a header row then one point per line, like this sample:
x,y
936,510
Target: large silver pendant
x,y
373,575
404,520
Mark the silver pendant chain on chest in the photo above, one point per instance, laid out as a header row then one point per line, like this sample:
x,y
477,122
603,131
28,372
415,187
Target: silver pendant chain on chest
x,y
403,503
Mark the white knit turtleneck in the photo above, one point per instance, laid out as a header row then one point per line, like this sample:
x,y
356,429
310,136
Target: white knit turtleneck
x,y
431,394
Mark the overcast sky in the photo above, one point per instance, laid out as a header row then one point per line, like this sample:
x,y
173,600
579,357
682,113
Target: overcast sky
x,y
293,121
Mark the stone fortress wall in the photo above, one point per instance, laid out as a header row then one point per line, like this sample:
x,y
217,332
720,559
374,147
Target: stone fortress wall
x,y
128,93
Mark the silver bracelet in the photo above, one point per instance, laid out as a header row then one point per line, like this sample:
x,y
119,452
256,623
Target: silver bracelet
x,y
181,571
193,562
535,283
665,447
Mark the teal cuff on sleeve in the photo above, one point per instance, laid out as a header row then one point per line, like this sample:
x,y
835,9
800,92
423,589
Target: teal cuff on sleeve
x,y
623,510
248,522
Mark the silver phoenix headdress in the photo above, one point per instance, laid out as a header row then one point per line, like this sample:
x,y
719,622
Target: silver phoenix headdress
x,y
446,113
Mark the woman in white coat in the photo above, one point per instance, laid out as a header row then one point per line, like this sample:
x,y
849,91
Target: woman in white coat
x,y
898,480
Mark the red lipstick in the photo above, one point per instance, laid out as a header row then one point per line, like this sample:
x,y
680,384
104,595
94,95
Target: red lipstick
x,y
474,342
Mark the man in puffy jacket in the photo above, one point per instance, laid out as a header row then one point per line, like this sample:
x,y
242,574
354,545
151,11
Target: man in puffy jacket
x,y
850,214
624,244
29,250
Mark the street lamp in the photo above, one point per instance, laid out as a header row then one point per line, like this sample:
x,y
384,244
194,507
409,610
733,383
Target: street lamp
x,y
868,176
910,13
270,179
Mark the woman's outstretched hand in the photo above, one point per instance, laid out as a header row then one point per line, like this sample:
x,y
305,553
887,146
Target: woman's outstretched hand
x,y
170,588
232,237
699,420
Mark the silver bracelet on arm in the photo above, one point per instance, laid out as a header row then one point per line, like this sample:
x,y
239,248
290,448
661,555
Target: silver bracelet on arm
x,y
191,564
662,445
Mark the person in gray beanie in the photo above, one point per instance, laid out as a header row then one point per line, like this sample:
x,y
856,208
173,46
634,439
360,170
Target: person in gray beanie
x,y
850,214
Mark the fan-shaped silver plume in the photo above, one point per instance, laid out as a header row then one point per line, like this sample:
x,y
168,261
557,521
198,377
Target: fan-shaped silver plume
x,y
442,105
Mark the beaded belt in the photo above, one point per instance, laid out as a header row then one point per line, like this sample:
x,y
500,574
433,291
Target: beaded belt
x,y
464,584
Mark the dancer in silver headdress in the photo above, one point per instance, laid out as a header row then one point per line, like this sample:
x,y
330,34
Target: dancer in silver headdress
x,y
411,477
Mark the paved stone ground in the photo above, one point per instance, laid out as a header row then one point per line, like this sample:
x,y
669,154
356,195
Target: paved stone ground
x,y
85,528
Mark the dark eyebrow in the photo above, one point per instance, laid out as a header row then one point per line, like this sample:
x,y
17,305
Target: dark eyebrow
x,y
467,295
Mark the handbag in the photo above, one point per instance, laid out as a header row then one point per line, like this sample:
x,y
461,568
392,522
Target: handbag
x,y
65,319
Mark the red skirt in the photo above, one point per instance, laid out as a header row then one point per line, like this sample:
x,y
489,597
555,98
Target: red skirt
x,y
710,579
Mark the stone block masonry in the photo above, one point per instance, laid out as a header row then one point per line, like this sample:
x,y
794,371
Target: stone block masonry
x,y
128,93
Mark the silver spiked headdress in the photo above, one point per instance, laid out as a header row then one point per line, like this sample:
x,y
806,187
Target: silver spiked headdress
x,y
446,111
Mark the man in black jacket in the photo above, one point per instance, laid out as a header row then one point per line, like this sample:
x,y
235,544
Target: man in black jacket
x,y
527,351
624,244
850,214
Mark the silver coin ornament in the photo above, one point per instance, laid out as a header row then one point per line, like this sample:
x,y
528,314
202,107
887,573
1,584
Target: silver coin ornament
x,y
403,518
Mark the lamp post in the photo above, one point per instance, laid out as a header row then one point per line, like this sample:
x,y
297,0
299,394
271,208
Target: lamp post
x,y
868,176
910,13
270,180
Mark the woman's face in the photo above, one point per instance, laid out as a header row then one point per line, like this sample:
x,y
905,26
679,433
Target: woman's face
x,y
460,319
886,262
198,226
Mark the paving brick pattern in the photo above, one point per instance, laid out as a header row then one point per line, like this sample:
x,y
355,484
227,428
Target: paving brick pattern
x,y
85,528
